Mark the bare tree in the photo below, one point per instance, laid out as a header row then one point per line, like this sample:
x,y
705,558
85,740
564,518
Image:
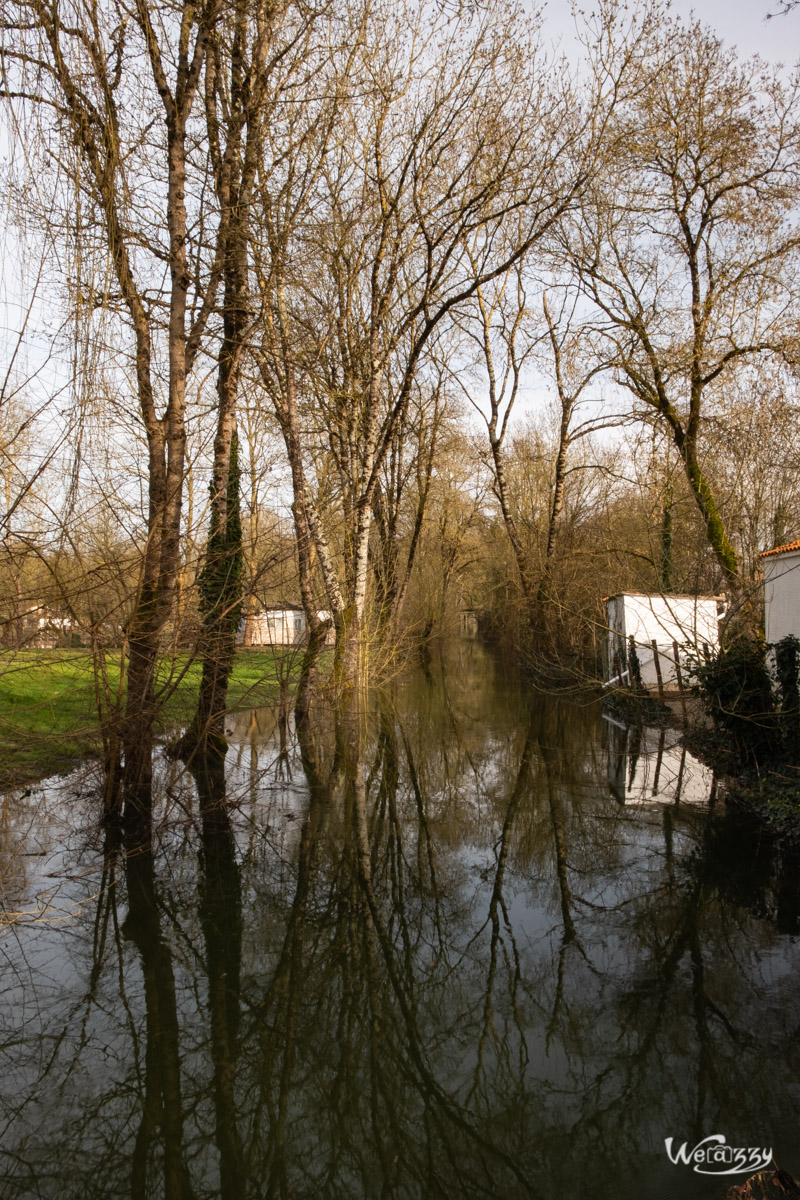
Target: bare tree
x,y
116,90
460,130
501,329
255,57
512,346
402,494
573,370
295,146
686,244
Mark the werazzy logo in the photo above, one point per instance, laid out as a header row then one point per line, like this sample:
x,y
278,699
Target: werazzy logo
x,y
713,1156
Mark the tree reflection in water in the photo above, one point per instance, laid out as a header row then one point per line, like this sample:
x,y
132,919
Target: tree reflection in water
x,y
420,952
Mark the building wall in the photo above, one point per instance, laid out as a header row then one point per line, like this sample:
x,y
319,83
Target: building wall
x,y
782,595
276,627
280,627
691,621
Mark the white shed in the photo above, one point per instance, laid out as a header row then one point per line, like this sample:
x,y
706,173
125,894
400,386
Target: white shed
x,y
690,621
781,591
274,627
285,626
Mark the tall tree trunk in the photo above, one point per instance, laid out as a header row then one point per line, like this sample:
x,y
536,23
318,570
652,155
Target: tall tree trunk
x,y
221,605
501,491
567,403
235,169
351,649
309,534
167,445
701,490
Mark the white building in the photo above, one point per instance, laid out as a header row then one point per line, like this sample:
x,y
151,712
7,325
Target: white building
x,y
691,622
781,591
43,629
285,626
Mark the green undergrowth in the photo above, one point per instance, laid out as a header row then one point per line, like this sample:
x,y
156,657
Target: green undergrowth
x,y
769,792
751,692
48,708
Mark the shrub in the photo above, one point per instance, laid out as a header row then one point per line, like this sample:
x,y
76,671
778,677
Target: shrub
x,y
736,688
758,706
787,670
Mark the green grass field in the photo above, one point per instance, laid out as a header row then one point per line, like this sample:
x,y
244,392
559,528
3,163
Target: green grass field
x,y
48,711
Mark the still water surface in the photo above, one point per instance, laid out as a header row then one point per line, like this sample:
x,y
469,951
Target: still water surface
x,y
493,946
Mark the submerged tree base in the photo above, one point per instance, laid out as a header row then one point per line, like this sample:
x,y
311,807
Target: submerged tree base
x,y
192,747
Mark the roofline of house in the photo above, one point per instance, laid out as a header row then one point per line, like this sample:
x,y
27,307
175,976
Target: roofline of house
x,y
788,548
664,596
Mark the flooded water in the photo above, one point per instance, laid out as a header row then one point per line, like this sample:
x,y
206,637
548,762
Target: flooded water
x,y
484,944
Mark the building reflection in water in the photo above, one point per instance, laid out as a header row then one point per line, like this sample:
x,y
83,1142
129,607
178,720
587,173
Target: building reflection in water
x,y
648,765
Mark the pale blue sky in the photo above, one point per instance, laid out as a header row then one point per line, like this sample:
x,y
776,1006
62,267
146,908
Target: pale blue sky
x,y
738,22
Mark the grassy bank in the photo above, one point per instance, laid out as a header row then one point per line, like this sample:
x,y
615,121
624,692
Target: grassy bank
x,y
48,708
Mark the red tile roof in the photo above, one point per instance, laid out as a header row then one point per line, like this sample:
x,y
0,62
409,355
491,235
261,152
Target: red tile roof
x,y
781,549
